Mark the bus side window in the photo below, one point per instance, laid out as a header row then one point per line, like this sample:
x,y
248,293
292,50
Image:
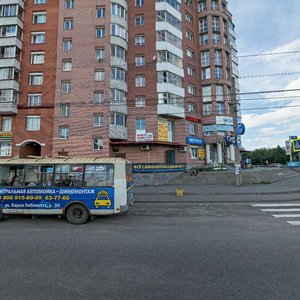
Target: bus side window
x,y
99,175
68,175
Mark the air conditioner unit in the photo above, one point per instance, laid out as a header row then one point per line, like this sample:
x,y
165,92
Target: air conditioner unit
x,y
145,147
182,148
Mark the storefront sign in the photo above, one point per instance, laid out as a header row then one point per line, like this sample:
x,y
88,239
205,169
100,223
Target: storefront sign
x,y
153,168
212,128
144,137
191,140
293,164
223,120
6,135
162,130
196,120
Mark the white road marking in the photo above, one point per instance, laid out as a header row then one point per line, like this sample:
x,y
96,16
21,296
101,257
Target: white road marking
x,y
286,216
294,222
276,205
280,209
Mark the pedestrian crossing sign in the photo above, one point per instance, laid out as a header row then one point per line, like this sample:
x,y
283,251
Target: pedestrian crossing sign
x,y
296,145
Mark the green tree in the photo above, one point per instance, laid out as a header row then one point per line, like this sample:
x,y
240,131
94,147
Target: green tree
x,y
270,155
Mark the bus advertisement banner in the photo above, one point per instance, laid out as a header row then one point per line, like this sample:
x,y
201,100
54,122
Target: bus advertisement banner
x,y
55,198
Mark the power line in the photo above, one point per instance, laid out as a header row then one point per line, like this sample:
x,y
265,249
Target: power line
x,y
270,107
269,75
268,54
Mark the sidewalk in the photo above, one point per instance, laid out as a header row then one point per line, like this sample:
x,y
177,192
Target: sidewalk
x,y
285,188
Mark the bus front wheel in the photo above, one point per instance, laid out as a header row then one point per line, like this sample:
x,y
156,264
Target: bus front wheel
x,y
77,214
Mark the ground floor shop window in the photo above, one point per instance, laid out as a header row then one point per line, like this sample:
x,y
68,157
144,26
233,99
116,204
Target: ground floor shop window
x,y
194,152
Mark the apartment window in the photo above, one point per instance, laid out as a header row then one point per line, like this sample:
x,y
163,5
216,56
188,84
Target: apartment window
x,y
190,53
171,131
100,32
6,124
97,144
214,4
36,78
9,52
218,73
37,58
207,109
99,75
37,37
166,36
118,96
202,6
100,53
64,132
205,73
164,16
192,107
33,123
119,11
69,3
140,101
216,38
191,71
68,24
118,74
139,20
64,110
203,25
139,2
67,65
100,12
118,52
7,73
215,24
140,81
171,78
67,44
140,125
193,152
167,56
5,148
189,3
168,98
189,35
118,30
34,99
191,89
192,128
203,39
8,96
206,93
139,40
220,108
66,86
219,93
118,119
140,60
99,96
39,17
205,59
218,57
98,120
40,1
189,18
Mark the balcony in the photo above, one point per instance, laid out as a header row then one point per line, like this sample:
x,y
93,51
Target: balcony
x,y
118,132
8,108
171,110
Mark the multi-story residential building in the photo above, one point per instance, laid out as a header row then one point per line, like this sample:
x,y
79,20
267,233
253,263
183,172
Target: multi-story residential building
x,y
146,80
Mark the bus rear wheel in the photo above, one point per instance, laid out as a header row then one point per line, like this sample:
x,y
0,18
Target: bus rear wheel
x,y
1,215
77,214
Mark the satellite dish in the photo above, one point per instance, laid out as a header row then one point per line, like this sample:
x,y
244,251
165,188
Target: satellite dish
x,y
154,58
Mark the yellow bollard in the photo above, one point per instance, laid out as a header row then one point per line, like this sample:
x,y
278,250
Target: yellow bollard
x,y
179,192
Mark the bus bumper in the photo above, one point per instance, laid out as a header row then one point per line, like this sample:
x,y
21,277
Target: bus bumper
x,y
125,208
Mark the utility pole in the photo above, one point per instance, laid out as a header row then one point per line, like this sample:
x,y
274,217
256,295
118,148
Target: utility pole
x,y
234,108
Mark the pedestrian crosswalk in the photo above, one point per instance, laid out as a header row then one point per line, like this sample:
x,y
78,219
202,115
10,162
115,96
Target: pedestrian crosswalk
x,y
286,211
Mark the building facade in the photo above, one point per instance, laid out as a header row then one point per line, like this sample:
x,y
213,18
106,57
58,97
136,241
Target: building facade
x,y
146,80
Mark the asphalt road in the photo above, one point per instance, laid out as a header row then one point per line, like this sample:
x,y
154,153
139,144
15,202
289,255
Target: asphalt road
x,y
155,251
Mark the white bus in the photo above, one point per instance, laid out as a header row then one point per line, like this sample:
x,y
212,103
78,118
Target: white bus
x,y
76,188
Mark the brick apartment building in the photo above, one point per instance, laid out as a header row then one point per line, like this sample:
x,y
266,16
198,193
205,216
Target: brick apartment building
x,y
142,79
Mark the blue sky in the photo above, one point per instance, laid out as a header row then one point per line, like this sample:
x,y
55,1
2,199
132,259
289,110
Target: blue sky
x,y
268,26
